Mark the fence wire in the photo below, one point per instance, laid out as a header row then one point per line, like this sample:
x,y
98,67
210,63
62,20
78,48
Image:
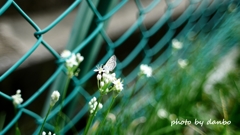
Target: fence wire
x,y
200,15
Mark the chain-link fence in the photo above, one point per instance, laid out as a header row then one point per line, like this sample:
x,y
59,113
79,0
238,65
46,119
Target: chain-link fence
x,y
89,37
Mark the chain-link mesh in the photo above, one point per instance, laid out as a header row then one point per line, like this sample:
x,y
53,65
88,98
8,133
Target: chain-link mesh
x,y
199,15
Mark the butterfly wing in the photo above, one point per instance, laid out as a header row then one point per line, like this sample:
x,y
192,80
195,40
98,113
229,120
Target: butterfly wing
x,y
111,63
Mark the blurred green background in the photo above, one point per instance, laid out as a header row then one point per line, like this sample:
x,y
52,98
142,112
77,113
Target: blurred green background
x,y
206,89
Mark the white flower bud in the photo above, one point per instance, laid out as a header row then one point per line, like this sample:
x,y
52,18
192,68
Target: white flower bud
x,y
99,77
79,57
65,54
106,80
100,106
93,105
17,98
101,83
49,133
54,97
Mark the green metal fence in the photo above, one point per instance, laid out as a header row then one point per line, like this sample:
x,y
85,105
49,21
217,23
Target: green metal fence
x,y
89,32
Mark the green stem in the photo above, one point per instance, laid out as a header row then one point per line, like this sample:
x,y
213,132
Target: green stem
x,y
88,124
90,119
2,119
49,110
64,116
65,92
102,122
17,131
63,97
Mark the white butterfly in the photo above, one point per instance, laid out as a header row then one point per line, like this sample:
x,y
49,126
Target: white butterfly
x,y
111,64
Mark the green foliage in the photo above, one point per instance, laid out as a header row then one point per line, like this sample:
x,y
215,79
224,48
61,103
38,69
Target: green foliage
x,y
176,93
18,132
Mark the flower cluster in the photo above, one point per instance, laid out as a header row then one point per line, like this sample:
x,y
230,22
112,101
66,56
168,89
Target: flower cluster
x,y
49,133
72,62
17,98
107,81
93,105
177,44
54,97
145,70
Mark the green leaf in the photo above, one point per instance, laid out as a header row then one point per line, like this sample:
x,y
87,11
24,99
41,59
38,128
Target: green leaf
x,y
2,119
17,131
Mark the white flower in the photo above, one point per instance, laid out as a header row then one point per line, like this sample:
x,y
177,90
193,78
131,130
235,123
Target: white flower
x,y
182,63
65,54
145,69
105,75
99,69
93,104
79,57
54,97
94,99
106,80
49,133
101,83
109,77
99,77
72,61
176,44
17,99
100,106
162,113
112,77
118,85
